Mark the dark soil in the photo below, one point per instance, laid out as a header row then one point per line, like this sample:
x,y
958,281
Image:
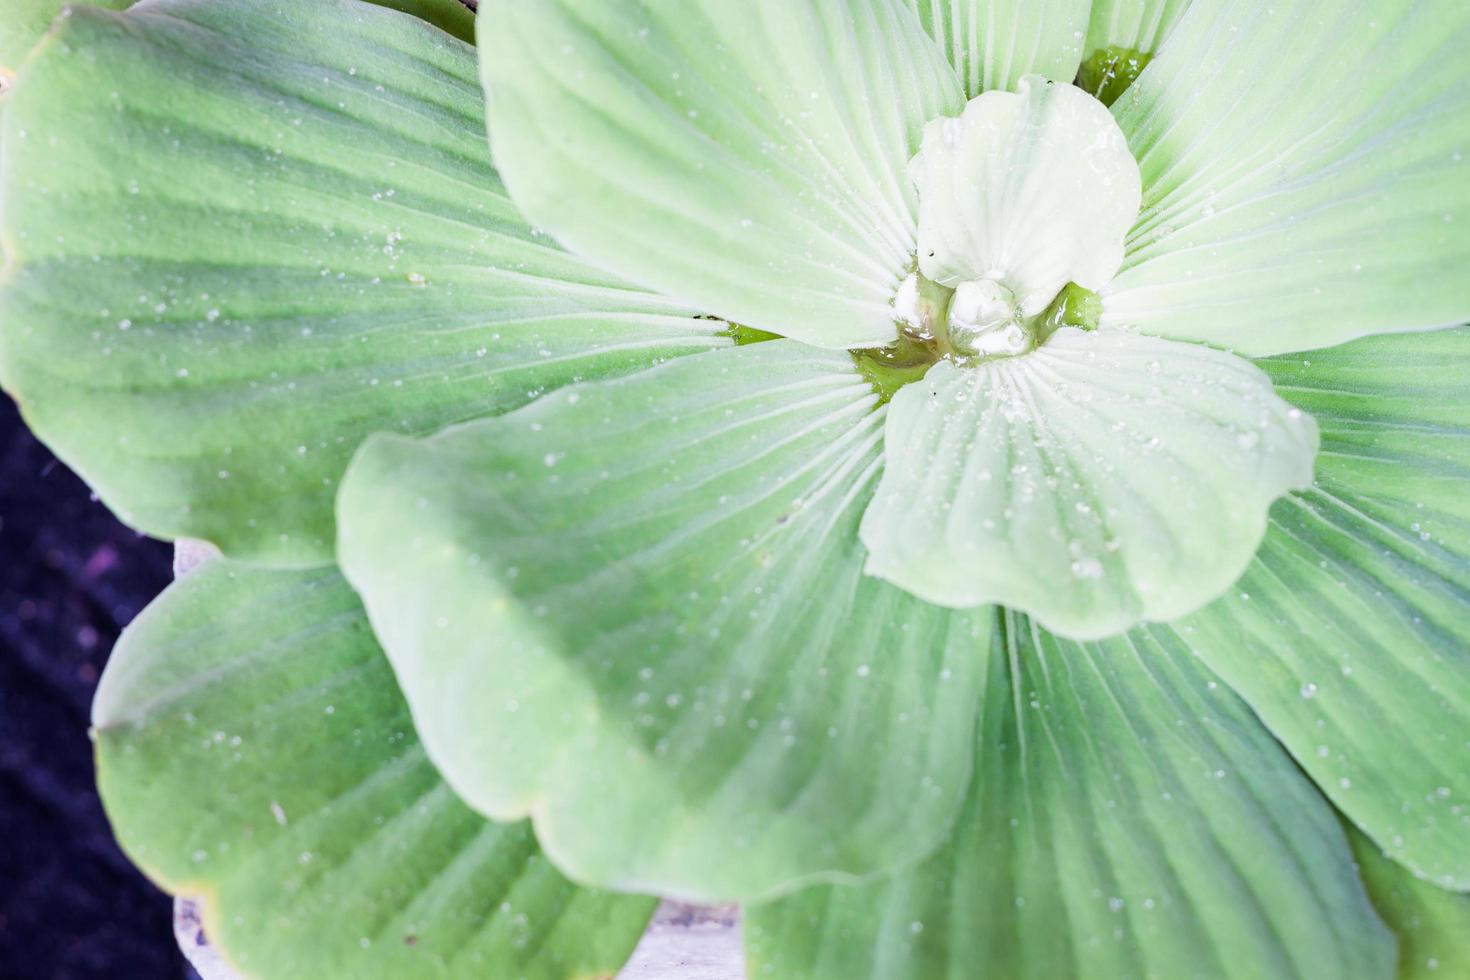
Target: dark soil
x,y
71,576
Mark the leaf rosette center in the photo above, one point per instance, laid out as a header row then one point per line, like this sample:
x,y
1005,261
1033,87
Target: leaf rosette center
x,y
1088,476
1023,197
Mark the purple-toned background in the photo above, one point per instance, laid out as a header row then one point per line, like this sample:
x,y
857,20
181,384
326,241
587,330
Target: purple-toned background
x,y
71,576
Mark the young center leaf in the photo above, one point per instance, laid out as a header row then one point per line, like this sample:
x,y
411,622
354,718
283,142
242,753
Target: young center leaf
x,y
1102,479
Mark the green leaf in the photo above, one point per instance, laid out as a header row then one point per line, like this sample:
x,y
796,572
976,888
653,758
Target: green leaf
x,y
26,20
1141,25
1101,480
636,611
242,236
1432,925
1349,634
22,26
747,158
1129,817
1304,173
994,43
253,749
1033,189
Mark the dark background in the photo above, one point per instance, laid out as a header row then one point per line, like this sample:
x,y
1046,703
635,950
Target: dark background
x,y
71,576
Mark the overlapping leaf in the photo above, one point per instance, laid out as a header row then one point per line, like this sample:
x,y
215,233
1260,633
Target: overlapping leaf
x,y
22,26
1432,925
1305,175
242,236
1122,38
1350,632
451,16
636,611
747,158
254,750
1136,25
1129,817
1103,479
993,44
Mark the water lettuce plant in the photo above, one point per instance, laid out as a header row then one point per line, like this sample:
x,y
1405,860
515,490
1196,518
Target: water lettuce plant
x,y
980,482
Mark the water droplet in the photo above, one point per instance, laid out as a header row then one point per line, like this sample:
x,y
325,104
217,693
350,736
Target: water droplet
x,y
1087,568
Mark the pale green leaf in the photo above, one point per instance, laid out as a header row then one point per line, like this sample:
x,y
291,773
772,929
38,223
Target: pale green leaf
x,y
1129,817
1305,175
253,750
636,611
1032,189
1101,480
1123,36
244,235
1432,924
22,22
1350,632
747,158
994,43
1137,25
